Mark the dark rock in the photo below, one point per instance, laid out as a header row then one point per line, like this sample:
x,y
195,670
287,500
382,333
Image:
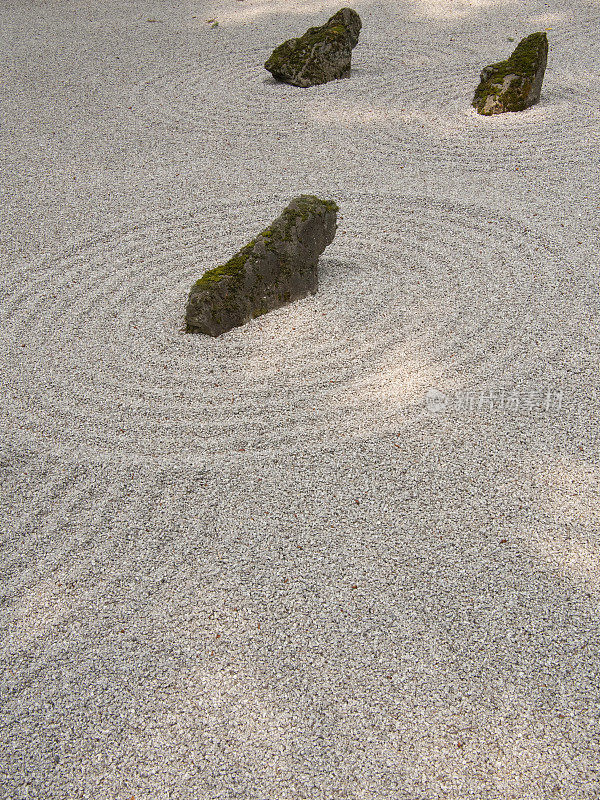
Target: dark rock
x,y
321,55
514,84
277,267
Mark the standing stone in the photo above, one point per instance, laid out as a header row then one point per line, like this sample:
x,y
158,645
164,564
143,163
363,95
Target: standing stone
x,y
277,267
514,84
322,54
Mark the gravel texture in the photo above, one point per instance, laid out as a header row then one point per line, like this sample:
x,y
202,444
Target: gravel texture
x,y
277,565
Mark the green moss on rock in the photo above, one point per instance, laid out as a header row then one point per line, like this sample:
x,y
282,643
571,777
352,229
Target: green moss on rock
x,y
322,54
230,269
280,231
278,266
513,84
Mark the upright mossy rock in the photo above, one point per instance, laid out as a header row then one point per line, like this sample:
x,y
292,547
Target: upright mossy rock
x,y
514,84
321,55
277,267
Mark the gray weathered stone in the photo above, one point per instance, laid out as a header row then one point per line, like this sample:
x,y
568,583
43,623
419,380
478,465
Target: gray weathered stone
x,y
277,267
514,84
322,54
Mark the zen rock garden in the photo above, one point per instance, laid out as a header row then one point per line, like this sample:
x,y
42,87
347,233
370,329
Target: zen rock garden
x,y
280,265
514,84
322,54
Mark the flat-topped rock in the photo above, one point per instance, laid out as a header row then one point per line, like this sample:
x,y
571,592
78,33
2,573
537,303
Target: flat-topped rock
x,y
322,54
514,84
279,266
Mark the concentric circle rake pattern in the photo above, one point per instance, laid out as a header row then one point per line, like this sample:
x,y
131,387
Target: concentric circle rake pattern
x,y
98,360
400,106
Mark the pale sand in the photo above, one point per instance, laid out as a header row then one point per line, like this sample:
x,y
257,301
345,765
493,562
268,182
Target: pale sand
x,y
260,566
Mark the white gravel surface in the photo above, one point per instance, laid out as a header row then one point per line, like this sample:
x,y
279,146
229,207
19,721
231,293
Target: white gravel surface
x,y
264,567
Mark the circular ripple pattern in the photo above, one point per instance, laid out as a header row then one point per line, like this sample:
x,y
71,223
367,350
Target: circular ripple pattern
x,y
98,361
401,105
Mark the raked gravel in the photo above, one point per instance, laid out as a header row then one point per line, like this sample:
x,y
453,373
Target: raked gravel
x,y
278,565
